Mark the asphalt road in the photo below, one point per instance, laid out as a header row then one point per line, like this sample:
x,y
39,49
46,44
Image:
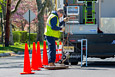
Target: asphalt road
x,y
13,66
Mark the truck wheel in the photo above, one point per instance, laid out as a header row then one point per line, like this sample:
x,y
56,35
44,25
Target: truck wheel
x,y
66,63
74,63
103,58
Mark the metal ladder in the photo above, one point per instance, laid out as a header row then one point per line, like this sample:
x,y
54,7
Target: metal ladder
x,y
89,12
83,47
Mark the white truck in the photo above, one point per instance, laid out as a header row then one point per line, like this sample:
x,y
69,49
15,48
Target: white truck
x,y
93,20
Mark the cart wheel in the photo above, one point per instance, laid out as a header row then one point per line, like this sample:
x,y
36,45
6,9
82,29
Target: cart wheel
x,y
74,63
66,63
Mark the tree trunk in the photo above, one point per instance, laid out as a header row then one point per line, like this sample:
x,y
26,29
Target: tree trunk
x,y
41,21
7,27
11,42
22,26
40,32
8,15
41,8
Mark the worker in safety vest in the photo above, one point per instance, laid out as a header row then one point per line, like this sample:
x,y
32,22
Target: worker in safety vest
x,y
52,33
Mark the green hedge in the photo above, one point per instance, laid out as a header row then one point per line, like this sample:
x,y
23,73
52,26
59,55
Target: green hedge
x,y
33,37
16,36
0,33
23,36
20,36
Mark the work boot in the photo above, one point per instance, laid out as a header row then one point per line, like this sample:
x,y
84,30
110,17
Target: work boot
x,y
51,64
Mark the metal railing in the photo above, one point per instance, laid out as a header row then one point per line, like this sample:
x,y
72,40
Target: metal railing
x,y
83,47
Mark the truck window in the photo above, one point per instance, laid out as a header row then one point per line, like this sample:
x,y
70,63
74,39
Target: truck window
x,y
108,25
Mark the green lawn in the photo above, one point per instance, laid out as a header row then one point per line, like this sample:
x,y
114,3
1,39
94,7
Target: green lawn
x,y
17,47
5,51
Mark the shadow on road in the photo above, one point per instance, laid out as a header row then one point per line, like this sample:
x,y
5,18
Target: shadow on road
x,y
12,62
12,66
101,64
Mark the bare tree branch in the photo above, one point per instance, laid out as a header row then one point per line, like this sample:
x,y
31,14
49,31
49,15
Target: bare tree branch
x,y
50,5
44,4
12,12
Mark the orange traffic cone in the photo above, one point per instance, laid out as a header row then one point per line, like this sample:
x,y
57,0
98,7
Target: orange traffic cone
x,y
34,65
45,57
57,56
27,68
39,55
60,50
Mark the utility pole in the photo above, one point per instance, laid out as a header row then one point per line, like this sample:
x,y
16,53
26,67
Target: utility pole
x,y
7,26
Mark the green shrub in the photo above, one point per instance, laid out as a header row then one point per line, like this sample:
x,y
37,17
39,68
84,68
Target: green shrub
x,y
33,37
20,36
23,36
0,33
16,36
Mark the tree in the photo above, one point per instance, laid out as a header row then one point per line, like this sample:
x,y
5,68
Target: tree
x,y
3,8
41,5
8,15
17,17
1,1
7,27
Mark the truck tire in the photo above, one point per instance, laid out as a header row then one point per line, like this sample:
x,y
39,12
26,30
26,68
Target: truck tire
x,y
66,63
74,63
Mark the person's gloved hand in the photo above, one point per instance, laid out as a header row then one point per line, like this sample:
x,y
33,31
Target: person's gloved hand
x,y
66,19
63,29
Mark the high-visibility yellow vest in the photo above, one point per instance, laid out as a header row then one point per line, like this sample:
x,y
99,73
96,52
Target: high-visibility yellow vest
x,y
48,30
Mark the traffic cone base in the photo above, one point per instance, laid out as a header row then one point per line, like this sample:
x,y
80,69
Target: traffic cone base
x,y
36,69
27,73
42,63
42,67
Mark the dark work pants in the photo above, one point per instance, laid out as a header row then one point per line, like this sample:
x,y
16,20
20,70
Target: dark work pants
x,y
52,48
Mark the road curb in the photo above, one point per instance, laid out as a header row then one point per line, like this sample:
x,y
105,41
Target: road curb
x,y
19,53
